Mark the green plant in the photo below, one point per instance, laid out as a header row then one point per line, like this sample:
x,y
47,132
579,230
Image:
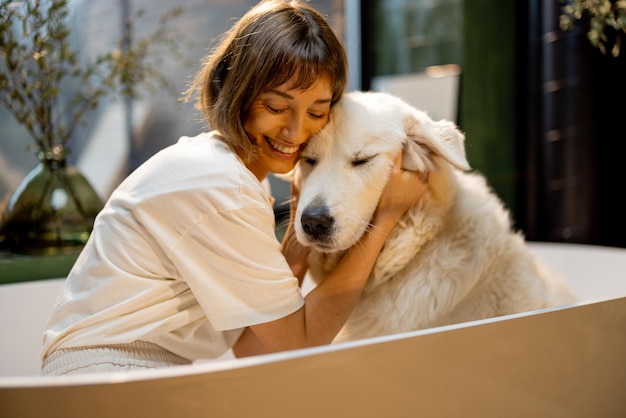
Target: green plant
x,y
39,69
603,16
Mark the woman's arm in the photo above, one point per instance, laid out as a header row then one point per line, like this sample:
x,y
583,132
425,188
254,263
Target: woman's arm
x,y
328,306
295,253
297,257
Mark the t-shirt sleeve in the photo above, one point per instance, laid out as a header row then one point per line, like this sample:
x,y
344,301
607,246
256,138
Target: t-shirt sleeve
x,y
233,264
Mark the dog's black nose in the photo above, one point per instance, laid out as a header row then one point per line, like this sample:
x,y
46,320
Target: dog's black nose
x,y
316,222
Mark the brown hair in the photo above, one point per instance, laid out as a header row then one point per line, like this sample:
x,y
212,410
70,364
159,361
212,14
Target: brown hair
x,y
274,41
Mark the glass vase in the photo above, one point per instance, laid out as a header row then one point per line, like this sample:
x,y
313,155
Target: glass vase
x,y
52,210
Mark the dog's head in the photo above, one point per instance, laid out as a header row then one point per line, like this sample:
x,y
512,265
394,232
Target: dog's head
x,y
345,167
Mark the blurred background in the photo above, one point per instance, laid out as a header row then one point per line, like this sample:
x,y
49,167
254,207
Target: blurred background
x,y
541,107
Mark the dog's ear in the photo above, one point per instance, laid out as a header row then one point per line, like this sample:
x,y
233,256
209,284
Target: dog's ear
x,y
425,135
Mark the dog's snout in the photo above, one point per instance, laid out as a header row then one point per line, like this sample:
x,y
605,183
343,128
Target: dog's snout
x,y
316,222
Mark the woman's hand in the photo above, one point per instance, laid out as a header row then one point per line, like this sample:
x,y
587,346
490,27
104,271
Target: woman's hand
x,y
403,191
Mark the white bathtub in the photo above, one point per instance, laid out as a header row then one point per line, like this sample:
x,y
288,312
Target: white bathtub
x,y
568,361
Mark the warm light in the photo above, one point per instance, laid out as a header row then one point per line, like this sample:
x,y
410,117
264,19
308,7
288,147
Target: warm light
x,y
438,71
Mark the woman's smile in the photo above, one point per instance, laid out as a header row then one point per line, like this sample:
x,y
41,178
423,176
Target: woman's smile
x,y
283,149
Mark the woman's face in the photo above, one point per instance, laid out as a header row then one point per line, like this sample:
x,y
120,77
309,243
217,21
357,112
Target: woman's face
x,y
281,120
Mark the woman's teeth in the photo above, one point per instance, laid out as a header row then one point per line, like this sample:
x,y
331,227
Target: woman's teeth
x,y
282,148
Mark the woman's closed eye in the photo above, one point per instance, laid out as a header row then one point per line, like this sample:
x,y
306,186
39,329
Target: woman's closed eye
x,y
318,115
312,114
275,110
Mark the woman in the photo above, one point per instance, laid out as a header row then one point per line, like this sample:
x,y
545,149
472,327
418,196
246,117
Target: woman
x,y
183,262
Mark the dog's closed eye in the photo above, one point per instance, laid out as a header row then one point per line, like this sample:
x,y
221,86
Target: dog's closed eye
x,y
362,160
308,160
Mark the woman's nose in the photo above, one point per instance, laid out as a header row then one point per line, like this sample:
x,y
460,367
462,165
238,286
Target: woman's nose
x,y
295,130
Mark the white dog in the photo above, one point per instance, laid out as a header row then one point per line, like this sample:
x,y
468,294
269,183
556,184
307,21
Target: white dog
x,y
452,258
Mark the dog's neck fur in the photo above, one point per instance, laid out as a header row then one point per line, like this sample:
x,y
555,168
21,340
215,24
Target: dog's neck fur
x,y
419,225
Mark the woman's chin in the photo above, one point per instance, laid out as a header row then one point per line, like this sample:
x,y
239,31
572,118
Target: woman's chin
x,y
283,168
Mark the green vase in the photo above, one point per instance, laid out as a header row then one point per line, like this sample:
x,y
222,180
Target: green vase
x,y
52,210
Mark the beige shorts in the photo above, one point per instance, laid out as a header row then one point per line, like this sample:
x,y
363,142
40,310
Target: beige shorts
x,y
139,355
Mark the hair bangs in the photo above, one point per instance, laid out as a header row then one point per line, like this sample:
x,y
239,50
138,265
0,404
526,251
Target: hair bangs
x,y
304,68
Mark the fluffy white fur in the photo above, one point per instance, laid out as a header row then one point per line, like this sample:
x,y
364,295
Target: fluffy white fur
x,y
452,258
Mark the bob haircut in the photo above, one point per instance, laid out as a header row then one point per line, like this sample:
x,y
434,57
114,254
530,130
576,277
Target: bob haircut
x,y
273,42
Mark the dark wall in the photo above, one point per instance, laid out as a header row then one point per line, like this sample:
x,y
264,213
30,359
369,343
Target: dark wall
x,y
608,111
570,142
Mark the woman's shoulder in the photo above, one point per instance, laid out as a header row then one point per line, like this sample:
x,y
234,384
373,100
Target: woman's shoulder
x,y
204,145
196,156
201,165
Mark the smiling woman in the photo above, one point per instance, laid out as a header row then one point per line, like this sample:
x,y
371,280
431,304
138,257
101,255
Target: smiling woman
x,y
196,268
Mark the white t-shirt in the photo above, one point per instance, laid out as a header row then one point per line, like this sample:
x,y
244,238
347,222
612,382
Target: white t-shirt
x,y
184,255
